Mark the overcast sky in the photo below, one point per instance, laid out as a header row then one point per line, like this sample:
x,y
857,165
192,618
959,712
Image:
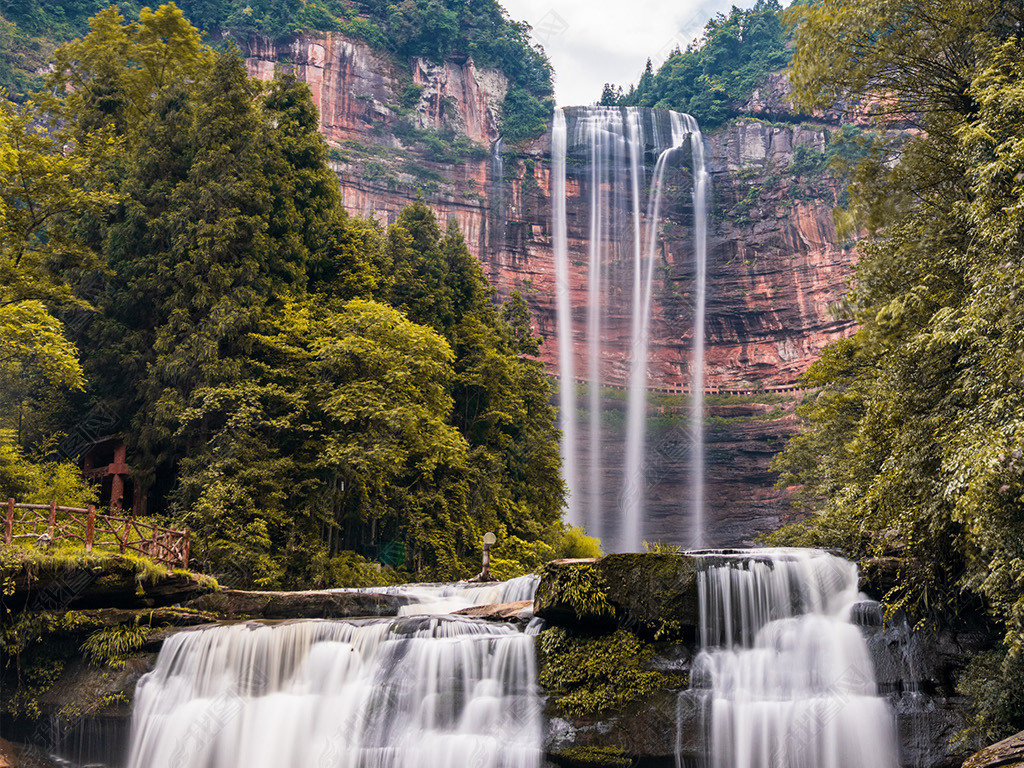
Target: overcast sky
x,y
593,42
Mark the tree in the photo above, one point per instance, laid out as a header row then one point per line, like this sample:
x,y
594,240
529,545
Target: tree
x,y
912,446
336,440
46,181
502,403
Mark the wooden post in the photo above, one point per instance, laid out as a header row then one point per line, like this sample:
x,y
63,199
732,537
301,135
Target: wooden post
x,y
152,546
90,525
185,564
53,520
9,529
124,537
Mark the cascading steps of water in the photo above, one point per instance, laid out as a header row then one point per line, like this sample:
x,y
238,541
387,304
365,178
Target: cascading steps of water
x,y
784,675
421,691
624,211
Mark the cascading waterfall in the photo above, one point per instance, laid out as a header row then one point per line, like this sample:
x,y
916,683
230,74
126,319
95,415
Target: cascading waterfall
x,y
566,361
623,229
785,674
412,692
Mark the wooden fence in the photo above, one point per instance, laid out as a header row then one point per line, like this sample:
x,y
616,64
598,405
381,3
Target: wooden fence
x,y
125,534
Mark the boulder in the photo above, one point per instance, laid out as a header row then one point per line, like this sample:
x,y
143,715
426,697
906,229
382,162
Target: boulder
x,y
653,594
1008,753
500,611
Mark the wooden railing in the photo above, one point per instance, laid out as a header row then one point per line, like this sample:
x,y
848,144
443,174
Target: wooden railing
x,y
125,534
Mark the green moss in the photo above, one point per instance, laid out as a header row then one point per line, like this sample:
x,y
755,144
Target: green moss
x,y
595,674
611,757
655,592
578,587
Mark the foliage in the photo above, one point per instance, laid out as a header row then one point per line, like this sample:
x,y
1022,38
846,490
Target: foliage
x,y
912,445
300,387
351,570
437,30
39,482
716,74
113,645
47,180
595,674
580,588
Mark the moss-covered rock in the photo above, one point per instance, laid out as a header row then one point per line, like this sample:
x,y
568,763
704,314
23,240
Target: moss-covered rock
x,y
653,594
233,604
591,674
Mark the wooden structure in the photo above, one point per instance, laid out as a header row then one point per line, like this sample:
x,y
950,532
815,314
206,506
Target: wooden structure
x,y
41,523
105,462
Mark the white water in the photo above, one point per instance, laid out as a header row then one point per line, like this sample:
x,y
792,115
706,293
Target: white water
x,y
566,362
700,249
785,674
412,692
434,599
623,229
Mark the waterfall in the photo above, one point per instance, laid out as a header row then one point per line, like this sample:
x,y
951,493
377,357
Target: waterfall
x,y
784,672
609,148
566,361
700,250
496,199
410,692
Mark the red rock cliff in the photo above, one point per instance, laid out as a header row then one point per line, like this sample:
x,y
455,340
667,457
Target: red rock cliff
x,y
775,264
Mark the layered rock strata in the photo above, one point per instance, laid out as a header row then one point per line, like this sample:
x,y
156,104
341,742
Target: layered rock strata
x,y
402,129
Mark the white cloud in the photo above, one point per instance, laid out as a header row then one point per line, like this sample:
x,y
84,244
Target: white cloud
x,y
593,42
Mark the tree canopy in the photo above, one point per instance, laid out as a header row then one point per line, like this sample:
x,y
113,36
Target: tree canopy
x,y
912,444
306,390
718,72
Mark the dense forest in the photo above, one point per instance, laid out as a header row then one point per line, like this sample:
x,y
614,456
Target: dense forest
x,y
433,29
912,444
301,388
718,72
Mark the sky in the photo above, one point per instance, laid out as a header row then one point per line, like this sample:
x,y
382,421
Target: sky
x,y
593,42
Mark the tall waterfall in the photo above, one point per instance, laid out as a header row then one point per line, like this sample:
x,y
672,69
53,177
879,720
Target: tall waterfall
x,y
785,672
411,692
624,208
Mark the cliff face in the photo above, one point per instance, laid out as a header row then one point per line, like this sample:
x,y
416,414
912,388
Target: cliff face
x,y
775,264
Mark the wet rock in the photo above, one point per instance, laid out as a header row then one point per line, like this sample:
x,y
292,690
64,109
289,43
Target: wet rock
x,y
650,730
1008,753
516,611
652,594
241,604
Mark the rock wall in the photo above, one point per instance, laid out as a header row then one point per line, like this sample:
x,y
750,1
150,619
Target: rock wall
x,y
775,264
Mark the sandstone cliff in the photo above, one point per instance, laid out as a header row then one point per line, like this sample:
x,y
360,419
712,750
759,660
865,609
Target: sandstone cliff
x,y
400,129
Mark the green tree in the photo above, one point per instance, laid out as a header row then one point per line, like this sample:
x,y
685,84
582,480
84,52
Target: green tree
x,y
912,446
717,74
46,181
501,399
337,440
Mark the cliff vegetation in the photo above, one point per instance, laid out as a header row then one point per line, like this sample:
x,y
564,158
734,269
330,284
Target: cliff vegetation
x,y
436,30
315,396
717,73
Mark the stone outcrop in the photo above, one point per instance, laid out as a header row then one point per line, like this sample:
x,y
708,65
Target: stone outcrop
x,y
233,604
518,610
1008,753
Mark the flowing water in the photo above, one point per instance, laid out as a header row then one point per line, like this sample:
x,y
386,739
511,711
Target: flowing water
x,y
609,150
784,672
420,691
